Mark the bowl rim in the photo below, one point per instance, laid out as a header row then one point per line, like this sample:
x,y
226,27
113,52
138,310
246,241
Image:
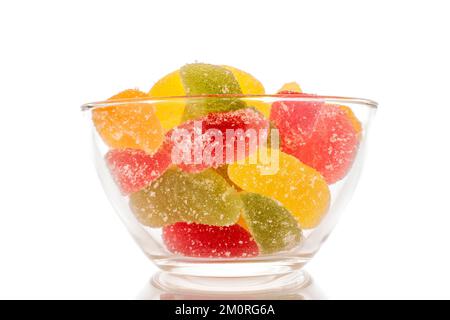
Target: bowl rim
x,y
271,97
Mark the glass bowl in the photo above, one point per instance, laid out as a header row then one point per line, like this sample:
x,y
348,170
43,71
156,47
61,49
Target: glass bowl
x,y
222,191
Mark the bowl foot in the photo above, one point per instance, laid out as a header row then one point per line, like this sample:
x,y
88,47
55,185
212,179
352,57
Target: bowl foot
x,y
237,287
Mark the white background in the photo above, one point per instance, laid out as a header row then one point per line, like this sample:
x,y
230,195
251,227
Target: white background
x,y
59,237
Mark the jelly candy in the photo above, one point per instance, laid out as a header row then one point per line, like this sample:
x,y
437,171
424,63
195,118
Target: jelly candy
x,y
332,146
207,79
296,121
353,119
203,241
294,88
298,187
128,94
179,196
134,169
251,85
290,87
207,142
323,136
202,78
132,125
169,112
271,225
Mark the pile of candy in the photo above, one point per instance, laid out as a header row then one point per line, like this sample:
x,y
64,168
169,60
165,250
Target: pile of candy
x,y
173,159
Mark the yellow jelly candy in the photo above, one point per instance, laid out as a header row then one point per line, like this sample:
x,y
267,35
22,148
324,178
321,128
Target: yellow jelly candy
x,y
251,85
169,112
299,188
132,125
291,87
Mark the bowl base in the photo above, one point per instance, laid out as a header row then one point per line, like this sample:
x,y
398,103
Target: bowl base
x,y
231,278
236,287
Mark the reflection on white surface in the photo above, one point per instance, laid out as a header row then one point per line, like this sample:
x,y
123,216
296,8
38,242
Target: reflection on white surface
x,y
307,290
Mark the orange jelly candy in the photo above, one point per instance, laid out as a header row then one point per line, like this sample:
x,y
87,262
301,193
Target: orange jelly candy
x,y
131,125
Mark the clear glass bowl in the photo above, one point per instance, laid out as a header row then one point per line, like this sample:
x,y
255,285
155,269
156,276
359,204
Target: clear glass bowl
x,y
252,209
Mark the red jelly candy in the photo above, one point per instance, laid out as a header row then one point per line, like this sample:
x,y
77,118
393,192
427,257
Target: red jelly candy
x,y
216,139
322,136
200,240
134,169
295,120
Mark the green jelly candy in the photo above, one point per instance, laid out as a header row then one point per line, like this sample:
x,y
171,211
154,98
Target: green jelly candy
x,y
272,226
205,79
204,198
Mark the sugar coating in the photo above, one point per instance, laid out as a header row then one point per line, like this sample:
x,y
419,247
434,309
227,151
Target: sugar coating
x,y
323,136
299,188
243,119
179,196
272,226
207,79
198,240
129,126
134,169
